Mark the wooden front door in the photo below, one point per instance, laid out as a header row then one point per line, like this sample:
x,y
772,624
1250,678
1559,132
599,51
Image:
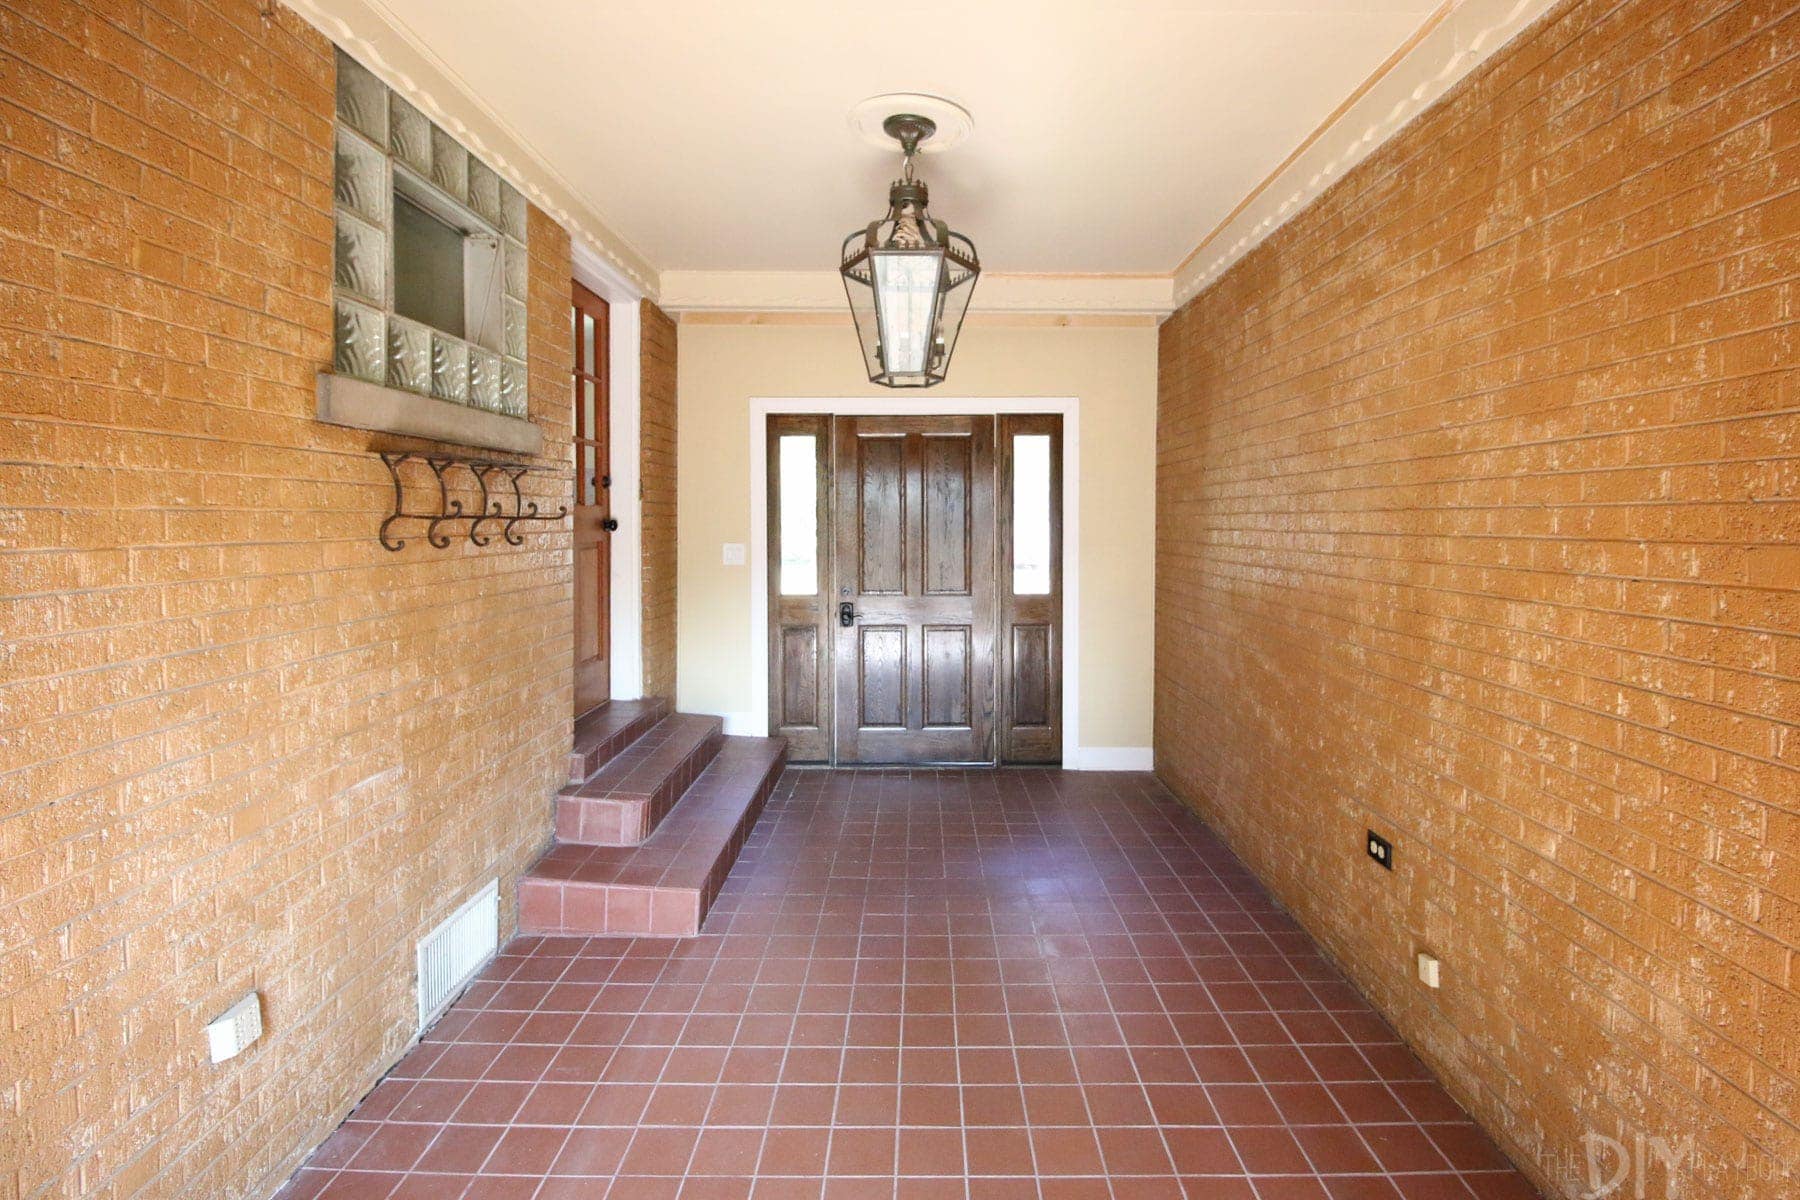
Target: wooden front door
x,y
593,511
913,605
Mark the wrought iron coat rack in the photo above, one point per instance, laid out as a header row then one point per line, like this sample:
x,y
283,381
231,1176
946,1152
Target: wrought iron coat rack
x,y
502,501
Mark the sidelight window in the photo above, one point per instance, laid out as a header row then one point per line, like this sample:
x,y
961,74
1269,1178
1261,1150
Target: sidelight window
x,y
798,464
1031,514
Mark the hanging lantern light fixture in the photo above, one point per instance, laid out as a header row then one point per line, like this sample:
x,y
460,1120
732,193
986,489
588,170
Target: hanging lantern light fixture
x,y
908,277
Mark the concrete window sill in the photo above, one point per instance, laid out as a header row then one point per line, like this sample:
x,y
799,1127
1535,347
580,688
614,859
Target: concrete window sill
x,y
363,405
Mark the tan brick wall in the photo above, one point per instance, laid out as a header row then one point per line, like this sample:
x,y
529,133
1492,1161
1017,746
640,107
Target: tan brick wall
x,y
242,745
656,457
1478,524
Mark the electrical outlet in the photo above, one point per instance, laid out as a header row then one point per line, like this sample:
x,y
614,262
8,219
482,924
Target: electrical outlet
x,y
241,1024
1381,850
1428,970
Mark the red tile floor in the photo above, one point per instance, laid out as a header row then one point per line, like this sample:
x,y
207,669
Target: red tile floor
x,y
983,985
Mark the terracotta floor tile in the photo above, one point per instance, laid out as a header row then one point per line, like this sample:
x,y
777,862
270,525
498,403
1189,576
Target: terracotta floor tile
x,y
1066,1150
461,1149
1014,985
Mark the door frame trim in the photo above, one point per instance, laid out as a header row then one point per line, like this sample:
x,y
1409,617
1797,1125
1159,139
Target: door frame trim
x,y
1067,407
626,599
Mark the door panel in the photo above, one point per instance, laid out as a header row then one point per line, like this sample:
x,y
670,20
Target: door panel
x,y
1029,676
946,488
881,515
914,670
881,654
800,675
949,672
1030,581
592,508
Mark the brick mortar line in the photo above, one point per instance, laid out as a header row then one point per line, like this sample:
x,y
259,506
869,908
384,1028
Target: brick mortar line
x,y
319,656
1335,303
1262,435
1223,361
273,115
1656,877
1379,647
321,572
104,866
1398,785
1537,699
1322,904
378,1070
1362,205
1300,559
1783,634
197,722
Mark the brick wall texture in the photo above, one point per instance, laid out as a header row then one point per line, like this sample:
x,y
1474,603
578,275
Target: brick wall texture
x,y
241,745
1479,524
656,465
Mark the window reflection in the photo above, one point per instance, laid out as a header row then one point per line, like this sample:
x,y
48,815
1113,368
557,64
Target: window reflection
x,y
1031,514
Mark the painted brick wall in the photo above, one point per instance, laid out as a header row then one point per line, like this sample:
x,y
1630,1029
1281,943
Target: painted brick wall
x,y
242,746
1479,524
656,459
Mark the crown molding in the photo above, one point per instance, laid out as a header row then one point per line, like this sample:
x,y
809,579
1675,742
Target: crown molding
x,y
995,292
840,317
371,34
1452,41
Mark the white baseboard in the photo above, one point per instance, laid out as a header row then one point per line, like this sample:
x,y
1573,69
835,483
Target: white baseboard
x,y
1112,758
1087,758
742,724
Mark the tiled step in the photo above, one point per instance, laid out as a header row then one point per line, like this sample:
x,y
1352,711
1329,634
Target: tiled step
x,y
601,734
624,800
664,887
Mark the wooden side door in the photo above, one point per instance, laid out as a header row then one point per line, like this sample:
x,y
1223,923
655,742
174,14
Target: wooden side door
x,y
913,660
592,508
800,589
1029,649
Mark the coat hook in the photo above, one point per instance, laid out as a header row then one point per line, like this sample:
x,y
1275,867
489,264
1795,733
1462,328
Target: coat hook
x,y
442,510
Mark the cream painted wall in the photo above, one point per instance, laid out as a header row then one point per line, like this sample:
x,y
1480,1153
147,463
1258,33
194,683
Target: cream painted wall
x,y
1111,369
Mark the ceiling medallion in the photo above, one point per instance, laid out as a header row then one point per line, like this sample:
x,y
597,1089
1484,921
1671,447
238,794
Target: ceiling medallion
x,y
908,276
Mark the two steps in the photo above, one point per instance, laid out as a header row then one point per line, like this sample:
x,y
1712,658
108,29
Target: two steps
x,y
656,811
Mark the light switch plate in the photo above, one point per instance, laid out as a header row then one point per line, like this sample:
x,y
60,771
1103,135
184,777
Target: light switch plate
x,y
734,554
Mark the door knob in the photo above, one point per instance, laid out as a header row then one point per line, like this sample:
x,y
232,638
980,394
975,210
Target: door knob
x,y
610,524
846,614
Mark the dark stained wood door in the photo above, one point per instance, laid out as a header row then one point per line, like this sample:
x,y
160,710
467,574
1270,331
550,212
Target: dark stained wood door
x,y
593,509
914,602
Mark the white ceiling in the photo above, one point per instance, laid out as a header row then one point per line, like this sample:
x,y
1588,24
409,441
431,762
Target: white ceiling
x,y
713,136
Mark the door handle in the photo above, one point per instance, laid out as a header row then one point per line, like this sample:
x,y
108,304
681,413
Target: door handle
x,y
610,524
846,614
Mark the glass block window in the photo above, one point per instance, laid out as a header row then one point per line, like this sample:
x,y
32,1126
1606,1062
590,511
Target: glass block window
x,y
431,270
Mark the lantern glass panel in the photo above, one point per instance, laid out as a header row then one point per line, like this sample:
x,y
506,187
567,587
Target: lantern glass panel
x,y
906,300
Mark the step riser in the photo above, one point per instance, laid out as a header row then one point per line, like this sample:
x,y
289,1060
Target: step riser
x,y
597,910
627,821
575,908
